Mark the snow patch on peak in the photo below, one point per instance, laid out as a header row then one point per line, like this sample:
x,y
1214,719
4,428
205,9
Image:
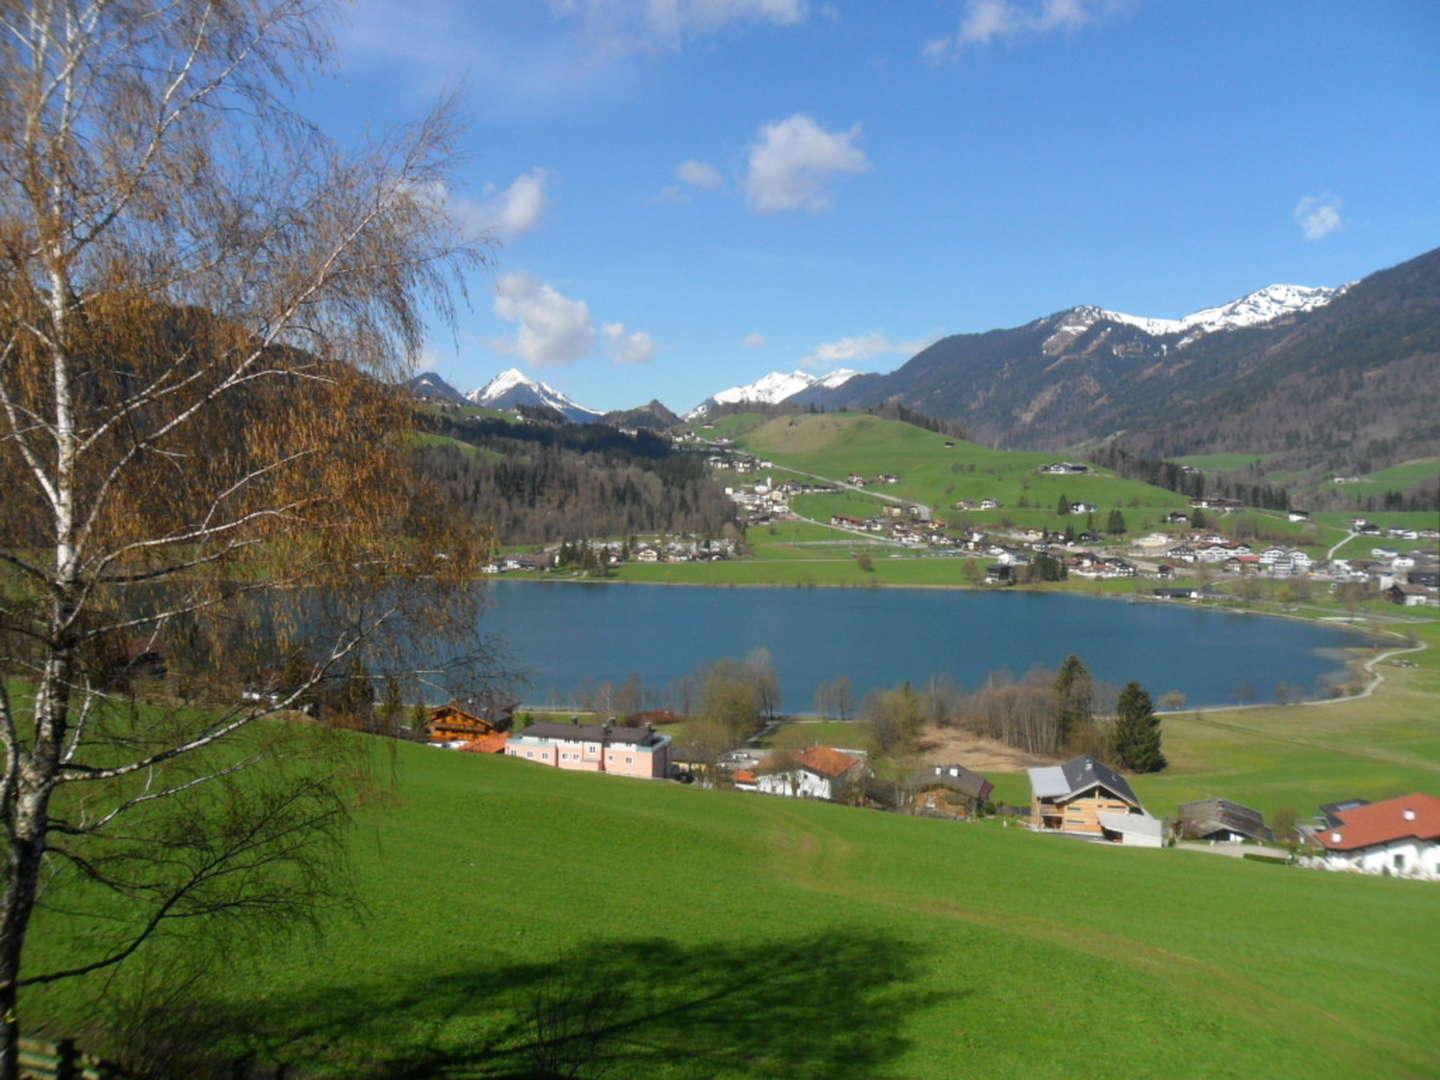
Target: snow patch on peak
x,y
773,389
1253,309
505,381
513,387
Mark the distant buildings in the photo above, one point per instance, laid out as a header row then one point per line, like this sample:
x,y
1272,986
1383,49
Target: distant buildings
x,y
608,748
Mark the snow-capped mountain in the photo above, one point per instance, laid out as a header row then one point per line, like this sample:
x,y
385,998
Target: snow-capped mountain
x,y
1258,307
428,386
773,389
512,388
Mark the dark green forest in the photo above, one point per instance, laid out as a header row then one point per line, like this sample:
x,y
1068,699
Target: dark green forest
x,y
540,482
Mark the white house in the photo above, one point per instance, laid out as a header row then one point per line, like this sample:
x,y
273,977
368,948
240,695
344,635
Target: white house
x,y
1398,836
821,772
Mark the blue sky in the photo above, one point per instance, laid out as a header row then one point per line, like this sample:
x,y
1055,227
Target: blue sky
x,y
688,194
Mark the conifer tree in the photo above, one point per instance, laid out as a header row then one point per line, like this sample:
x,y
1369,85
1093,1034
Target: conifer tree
x,y
1137,732
1073,691
1063,507
1116,522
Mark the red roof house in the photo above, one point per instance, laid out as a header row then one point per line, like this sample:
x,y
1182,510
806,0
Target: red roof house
x,y
1398,836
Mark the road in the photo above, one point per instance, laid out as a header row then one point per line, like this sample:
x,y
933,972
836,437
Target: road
x,y
924,510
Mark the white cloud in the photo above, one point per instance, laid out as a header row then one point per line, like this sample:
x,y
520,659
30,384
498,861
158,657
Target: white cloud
x,y
674,19
792,160
554,330
629,348
508,213
1318,215
860,350
699,174
754,341
986,21
670,22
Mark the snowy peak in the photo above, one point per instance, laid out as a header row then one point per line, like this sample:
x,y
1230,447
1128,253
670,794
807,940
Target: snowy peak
x,y
513,387
773,389
428,386
1263,306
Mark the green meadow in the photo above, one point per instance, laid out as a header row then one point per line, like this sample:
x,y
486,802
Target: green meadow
x,y
836,444
673,932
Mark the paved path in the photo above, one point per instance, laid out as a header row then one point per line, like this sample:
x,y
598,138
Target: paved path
x,y
1329,555
924,510
1235,851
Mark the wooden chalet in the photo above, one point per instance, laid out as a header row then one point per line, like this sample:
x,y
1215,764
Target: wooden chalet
x,y
451,723
1078,797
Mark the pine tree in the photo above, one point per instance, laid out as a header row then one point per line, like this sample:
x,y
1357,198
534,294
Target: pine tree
x,y
1137,732
1073,690
1197,519
1116,523
1063,507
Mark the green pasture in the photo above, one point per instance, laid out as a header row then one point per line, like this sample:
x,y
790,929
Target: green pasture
x,y
1396,478
836,444
823,568
685,933
426,438
798,734
725,426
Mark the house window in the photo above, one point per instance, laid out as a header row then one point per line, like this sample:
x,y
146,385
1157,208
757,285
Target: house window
x,y
1399,861
530,754
629,761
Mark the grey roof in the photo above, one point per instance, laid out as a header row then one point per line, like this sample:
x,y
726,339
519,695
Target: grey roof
x,y
1333,810
1076,775
1143,824
635,736
956,778
1206,816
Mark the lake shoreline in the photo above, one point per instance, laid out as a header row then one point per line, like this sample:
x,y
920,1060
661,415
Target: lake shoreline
x,y
1350,672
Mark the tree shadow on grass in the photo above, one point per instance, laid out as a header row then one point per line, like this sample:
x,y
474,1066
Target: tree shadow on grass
x,y
831,1005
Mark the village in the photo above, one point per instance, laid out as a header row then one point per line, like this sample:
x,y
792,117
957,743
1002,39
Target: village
x,y
1194,546
1082,799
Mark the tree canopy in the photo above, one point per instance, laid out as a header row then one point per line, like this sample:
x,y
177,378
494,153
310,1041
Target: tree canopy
x,y
204,307
1137,732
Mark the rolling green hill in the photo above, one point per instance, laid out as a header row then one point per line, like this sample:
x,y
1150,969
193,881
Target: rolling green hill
x,y
937,470
713,934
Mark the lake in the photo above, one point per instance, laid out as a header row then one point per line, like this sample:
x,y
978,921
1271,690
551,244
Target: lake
x,y
565,636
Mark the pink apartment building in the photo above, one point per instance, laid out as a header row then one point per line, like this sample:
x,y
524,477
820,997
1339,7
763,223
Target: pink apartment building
x,y
610,748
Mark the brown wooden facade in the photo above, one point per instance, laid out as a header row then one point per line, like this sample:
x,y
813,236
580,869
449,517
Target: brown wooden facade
x,y
449,723
1080,814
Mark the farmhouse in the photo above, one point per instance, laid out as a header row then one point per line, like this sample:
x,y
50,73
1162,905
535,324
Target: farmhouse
x,y
451,723
821,772
949,790
1085,797
609,748
1398,836
1221,820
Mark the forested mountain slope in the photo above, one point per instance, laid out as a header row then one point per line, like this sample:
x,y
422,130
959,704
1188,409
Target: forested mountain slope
x,y
1351,385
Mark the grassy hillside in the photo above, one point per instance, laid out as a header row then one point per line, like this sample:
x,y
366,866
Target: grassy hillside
x,y
731,935
933,473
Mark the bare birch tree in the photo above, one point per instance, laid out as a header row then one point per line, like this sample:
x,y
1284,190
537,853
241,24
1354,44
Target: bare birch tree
x,y
201,301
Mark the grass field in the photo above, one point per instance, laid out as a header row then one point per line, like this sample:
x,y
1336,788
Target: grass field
x,y
716,934
1396,478
836,444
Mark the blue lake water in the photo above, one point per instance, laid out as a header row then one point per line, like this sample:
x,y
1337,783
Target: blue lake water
x,y
563,636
